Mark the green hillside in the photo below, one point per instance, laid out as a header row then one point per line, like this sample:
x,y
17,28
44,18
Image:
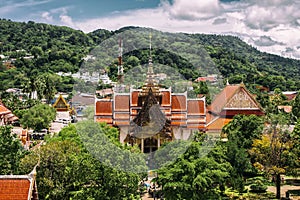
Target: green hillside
x,y
62,49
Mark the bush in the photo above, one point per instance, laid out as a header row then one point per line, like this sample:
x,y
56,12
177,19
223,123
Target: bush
x,y
258,187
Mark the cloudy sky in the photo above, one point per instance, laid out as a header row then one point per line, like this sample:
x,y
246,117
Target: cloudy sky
x,y
269,25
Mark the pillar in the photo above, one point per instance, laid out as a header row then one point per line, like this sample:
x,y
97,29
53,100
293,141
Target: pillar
x,y
142,145
158,141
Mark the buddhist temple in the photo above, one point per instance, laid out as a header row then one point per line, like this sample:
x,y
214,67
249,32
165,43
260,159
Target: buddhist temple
x,y
61,104
231,101
151,115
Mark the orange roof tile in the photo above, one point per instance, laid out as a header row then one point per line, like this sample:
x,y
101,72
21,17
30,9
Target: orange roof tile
x,y
178,123
218,123
134,98
106,120
122,102
196,107
18,187
178,103
178,116
120,123
121,116
166,100
4,110
104,107
223,97
14,189
196,126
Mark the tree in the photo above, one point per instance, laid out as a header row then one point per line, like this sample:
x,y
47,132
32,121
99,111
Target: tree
x,y
240,133
68,171
296,106
11,151
273,151
296,147
243,129
51,81
36,51
193,176
38,117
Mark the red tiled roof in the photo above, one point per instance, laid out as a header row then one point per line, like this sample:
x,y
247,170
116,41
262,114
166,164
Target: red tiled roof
x,y
104,107
178,102
122,102
196,107
291,96
134,98
14,189
4,110
178,123
120,123
106,120
165,98
218,123
18,187
178,116
204,79
121,116
222,98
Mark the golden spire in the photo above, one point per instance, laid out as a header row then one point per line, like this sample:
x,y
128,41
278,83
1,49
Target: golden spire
x,y
150,81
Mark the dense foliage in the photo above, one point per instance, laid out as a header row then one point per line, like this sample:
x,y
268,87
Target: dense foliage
x,y
11,151
239,62
38,117
68,171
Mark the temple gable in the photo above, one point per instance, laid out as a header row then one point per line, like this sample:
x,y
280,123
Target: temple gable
x,y
241,100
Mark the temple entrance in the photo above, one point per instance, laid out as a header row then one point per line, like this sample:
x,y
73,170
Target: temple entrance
x,y
150,145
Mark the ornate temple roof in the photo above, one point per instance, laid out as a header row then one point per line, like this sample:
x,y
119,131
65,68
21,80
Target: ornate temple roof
x,y
150,120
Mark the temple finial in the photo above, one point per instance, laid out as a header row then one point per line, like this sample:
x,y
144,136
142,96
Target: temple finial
x,y
120,63
227,82
150,48
150,67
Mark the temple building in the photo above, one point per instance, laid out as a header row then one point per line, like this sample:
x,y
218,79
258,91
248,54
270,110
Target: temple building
x,y
20,187
152,115
6,116
231,101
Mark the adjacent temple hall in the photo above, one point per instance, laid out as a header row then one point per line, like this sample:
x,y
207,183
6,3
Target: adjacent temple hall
x,y
153,115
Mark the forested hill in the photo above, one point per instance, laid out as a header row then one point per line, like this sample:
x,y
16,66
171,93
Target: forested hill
x,y
58,48
239,61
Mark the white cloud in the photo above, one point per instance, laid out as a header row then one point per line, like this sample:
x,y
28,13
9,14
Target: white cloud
x,y
270,25
268,14
192,9
47,17
67,20
11,6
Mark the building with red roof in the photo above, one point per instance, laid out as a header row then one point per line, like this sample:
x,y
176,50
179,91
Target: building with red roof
x,y
153,115
18,187
6,116
231,101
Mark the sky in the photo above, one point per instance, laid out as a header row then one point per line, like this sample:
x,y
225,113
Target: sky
x,y
269,25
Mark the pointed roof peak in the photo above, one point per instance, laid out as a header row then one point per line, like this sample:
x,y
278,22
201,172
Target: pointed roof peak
x,y
227,82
